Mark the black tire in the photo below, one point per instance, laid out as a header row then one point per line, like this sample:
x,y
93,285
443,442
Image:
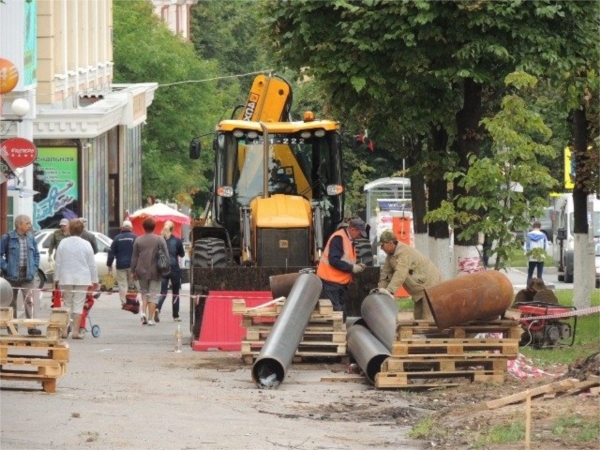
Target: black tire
x,y
364,252
568,277
209,252
561,277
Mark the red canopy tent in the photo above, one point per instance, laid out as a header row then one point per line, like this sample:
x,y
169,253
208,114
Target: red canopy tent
x,y
161,214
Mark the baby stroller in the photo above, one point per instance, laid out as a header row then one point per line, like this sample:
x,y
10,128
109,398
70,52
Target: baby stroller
x,y
90,299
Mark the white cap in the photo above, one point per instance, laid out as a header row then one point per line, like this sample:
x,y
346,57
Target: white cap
x,y
64,222
127,224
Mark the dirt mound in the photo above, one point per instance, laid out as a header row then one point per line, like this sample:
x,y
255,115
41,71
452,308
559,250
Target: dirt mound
x,y
583,368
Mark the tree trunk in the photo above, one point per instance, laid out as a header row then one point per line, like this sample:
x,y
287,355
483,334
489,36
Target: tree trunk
x,y
583,252
467,143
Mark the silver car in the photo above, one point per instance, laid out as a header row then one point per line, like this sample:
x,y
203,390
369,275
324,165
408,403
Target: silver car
x,y
42,237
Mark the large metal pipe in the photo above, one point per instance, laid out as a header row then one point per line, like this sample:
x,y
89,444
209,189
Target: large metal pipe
x,y
277,354
367,350
476,296
379,311
6,293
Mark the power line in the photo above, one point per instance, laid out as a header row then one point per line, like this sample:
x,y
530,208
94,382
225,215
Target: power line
x,y
214,79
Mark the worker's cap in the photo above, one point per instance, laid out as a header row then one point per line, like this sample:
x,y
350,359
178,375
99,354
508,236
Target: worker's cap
x,y
387,236
360,225
64,222
127,224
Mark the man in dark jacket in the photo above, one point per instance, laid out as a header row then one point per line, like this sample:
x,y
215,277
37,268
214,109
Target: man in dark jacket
x,y
176,251
121,251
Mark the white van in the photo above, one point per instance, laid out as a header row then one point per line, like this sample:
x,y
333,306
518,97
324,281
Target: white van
x,y
565,241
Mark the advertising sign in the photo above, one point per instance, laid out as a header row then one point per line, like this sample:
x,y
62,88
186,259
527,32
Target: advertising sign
x,y
56,178
18,152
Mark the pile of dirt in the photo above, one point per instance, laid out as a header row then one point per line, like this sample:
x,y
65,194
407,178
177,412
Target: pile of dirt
x,y
583,368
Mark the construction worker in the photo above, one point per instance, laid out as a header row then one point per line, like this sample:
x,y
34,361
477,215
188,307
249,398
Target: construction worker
x,y
338,263
406,266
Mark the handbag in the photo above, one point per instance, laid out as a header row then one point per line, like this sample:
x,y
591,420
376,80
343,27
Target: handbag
x,y
162,262
132,304
108,282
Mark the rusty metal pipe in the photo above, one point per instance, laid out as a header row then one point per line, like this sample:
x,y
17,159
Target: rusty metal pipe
x,y
367,350
379,312
476,296
277,354
281,285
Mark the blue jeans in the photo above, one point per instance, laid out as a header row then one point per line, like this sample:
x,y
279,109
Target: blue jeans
x,y
175,278
532,266
337,294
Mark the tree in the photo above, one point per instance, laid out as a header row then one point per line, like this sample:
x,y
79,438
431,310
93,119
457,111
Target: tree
x,y
145,50
429,65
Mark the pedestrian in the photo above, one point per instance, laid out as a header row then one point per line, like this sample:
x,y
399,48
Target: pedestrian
x,y
176,251
150,200
19,262
121,251
75,271
536,244
406,266
144,268
89,236
58,236
338,263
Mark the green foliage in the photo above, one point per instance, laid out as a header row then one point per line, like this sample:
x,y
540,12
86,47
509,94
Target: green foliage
x,y
572,428
492,205
502,434
146,51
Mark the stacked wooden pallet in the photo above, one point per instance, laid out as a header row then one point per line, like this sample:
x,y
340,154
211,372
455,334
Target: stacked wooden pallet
x,y
424,356
41,358
324,337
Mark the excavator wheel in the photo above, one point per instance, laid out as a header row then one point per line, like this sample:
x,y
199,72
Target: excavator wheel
x,y
209,253
364,252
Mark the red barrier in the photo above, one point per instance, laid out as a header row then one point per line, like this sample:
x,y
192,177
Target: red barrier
x,y
221,329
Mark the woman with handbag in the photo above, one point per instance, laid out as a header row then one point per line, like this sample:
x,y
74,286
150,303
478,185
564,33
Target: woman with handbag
x,y
144,268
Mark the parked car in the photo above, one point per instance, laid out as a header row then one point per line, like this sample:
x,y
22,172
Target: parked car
x,y
42,237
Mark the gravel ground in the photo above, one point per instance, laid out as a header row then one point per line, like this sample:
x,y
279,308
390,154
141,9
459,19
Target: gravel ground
x,y
128,389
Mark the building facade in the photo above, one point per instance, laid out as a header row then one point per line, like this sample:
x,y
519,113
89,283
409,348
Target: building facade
x,y
176,14
87,129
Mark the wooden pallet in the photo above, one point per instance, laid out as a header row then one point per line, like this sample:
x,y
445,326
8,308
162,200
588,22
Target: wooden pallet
x,y
33,359
451,346
409,380
51,328
310,335
333,322
510,329
332,358
310,348
442,363
323,308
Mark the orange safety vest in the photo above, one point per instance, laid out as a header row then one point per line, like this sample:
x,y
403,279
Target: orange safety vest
x,y
329,273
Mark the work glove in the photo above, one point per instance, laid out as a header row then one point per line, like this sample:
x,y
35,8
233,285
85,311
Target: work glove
x,y
358,268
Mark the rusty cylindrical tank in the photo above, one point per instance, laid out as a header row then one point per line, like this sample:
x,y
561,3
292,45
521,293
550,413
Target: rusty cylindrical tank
x,y
277,354
379,311
476,296
281,285
367,350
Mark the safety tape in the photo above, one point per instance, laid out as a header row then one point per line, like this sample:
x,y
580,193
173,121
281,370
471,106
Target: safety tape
x,y
577,312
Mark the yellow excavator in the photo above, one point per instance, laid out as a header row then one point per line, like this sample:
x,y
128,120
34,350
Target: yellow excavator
x,y
277,194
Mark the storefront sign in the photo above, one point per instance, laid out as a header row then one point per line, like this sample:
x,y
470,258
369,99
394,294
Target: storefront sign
x,y
18,152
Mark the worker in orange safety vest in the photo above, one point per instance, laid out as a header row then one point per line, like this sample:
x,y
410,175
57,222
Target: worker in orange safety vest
x,y
338,263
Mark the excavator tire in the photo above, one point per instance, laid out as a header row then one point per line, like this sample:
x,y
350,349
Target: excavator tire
x,y
209,253
364,252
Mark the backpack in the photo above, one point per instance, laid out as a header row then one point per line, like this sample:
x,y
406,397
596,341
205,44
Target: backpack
x,y
162,262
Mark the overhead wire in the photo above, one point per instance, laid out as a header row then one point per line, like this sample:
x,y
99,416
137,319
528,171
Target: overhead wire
x,y
215,78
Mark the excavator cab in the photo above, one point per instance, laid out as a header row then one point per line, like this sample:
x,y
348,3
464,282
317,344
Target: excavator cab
x,y
278,191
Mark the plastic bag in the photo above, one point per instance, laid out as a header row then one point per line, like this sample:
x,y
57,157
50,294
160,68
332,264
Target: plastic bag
x,y
108,282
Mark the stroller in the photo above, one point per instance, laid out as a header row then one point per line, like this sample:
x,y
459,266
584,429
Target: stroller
x,y
90,299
